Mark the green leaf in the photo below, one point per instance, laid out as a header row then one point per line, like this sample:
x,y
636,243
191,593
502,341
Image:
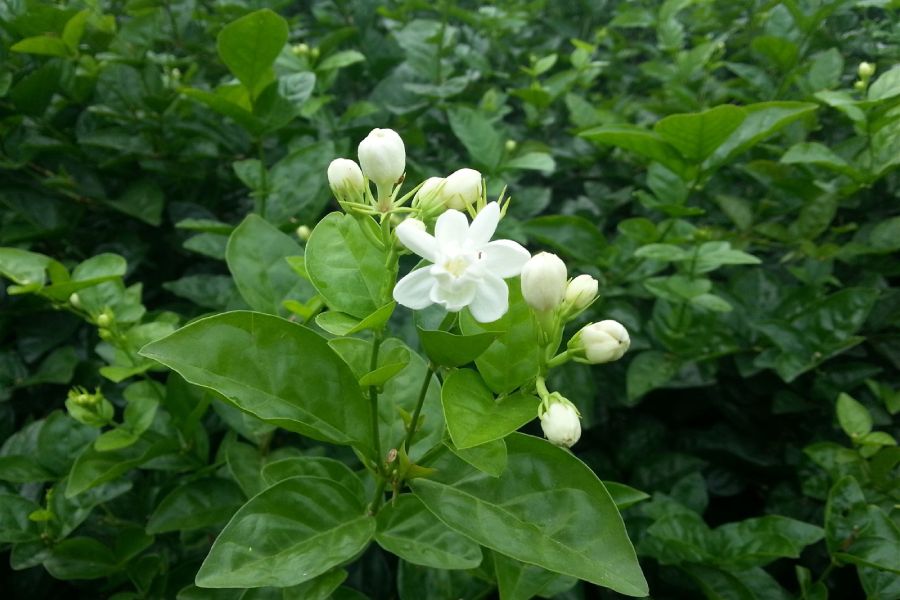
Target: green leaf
x,y
196,505
576,236
250,45
697,135
712,255
623,495
341,59
853,417
757,542
42,44
474,417
279,371
292,532
640,141
763,120
858,532
93,467
337,323
519,581
95,270
22,469
80,558
407,529
483,142
23,267
533,161
513,358
220,103
662,252
346,268
15,526
255,255
143,200
313,466
648,371
454,350
814,153
886,86
490,458
74,30
546,509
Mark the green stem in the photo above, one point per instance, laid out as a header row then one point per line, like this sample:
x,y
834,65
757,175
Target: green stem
x,y
373,405
559,359
378,496
414,423
263,192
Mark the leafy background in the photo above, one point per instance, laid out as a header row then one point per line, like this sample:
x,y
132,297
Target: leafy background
x,y
715,165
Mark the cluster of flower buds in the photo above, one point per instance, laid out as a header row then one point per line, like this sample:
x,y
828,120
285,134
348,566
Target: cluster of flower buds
x,y
91,409
865,72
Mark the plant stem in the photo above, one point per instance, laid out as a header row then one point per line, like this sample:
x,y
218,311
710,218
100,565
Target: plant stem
x,y
414,423
373,405
263,192
378,496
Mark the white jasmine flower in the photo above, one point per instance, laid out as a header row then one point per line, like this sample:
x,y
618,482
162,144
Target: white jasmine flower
x,y
468,268
346,180
581,292
461,189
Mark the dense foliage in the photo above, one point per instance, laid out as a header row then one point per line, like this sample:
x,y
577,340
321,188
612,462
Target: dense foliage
x,y
728,171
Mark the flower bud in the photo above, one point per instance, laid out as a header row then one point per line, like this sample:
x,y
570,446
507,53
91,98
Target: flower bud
x,y
428,199
544,282
382,157
462,189
865,70
580,293
90,409
303,232
346,180
105,318
511,145
598,343
560,421
75,300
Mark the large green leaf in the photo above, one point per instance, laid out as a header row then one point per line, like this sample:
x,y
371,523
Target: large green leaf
x,y
697,135
640,141
313,466
250,45
763,120
195,505
546,509
859,532
348,269
290,533
475,417
279,371
409,530
256,258
513,358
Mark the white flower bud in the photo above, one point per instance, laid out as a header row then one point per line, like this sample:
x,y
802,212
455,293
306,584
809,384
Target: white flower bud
x,y
544,282
560,422
462,189
598,343
428,199
866,70
580,292
346,180
303,232
382,157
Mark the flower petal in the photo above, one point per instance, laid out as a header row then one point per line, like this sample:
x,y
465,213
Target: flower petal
x,y
412,234
504,258
451,228
491,300
454,294
484,225
414,290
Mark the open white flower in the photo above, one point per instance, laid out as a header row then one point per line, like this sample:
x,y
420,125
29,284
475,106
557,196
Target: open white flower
x,y
468,268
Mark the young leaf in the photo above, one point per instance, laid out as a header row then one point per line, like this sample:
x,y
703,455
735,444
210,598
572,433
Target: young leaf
x,y
250,45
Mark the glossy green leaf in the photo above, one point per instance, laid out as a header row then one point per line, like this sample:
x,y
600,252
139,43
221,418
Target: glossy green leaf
x,y
93,467
648,371
279,371
570,234
255,255
81,558
623,495
513,358
478,134
475,417
763,120
250,45
347,268
859,532
547,509
640,141
196,505
853,417
490,457
43,44
697,135
407,529
453,350
292,532
313,466
520,581
15,526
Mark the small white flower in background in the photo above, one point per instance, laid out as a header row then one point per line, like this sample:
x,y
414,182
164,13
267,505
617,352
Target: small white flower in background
x,y
544,282
560,421
382,157
462,189
346,180
580,293
598,343
468,268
